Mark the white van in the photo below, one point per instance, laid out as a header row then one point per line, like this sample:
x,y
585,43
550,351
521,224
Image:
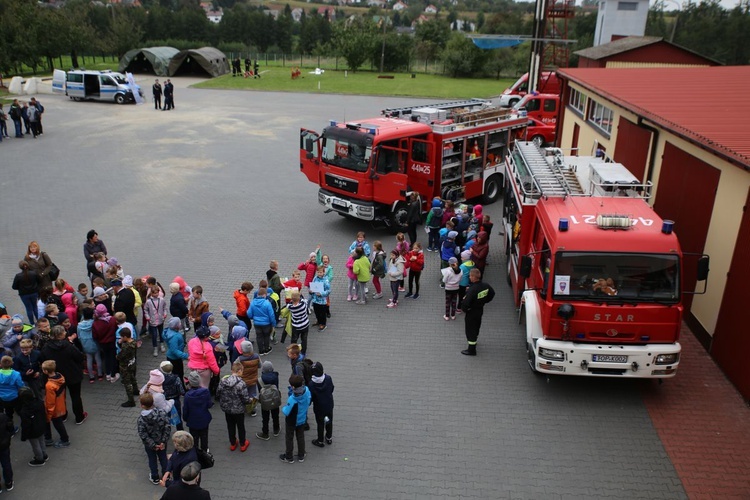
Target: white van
x,y
80,84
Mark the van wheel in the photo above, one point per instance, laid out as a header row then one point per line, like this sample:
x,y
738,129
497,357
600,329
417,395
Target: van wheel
x,y
513,102
538,140
492,189
120,99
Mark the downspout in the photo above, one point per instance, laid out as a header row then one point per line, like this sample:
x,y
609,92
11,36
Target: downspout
x,y
654,144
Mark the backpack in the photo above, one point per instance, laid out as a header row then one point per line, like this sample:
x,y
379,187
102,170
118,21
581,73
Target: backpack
x,y
269,397
15,112
437,216
304,368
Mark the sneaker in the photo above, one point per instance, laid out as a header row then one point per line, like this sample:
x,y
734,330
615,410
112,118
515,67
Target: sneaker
x,y
415,296
276,432
49,442
268,351
401,289
300,458
15,430
329,441
46,459
156,351
264,437
37,463
9,486
109,379
85,416
348,298
355,298
377,296
91,380
328,315
283,458
361,302
115,378
442,285
446,318
61,444
128,404
233,446
392,304
162,348
458,311
254,413
245,446
408,295
85,371
322,327
101,377
153,480
65,419
453,318
317,443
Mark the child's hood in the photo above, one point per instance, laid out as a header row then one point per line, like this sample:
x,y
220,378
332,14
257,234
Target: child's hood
x,y
196,393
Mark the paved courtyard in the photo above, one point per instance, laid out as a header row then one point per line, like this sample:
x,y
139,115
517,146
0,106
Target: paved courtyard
x,y
211,191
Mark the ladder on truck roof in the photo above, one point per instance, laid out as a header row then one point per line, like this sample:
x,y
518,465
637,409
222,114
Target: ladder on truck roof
x,y
398,112
549,177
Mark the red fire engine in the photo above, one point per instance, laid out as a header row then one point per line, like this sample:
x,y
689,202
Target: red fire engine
x,y
367,168
595,272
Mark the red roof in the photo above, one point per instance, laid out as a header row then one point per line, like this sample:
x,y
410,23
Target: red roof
x,y
709,106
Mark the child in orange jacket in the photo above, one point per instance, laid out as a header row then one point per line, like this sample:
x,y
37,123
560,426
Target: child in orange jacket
x,y
54,403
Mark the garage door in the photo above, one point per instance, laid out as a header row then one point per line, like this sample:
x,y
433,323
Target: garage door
x,y
731,340
632,147
685,194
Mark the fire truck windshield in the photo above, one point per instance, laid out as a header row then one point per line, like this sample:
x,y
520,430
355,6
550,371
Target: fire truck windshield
x,y
616,277
347,148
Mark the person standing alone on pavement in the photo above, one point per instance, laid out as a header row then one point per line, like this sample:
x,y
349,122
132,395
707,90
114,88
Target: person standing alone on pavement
x,y
156,89
478,294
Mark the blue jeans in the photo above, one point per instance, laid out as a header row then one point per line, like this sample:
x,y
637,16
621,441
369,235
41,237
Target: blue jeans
x,y
29,302
152,456
17,124
155,331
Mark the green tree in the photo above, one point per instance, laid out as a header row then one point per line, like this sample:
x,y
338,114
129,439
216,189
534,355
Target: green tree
x,y
125,35
461,57
432,37
355,41
398,52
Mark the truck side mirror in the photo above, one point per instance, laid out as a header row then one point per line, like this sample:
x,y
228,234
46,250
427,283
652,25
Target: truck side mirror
x,y
308,145
703,268
525,269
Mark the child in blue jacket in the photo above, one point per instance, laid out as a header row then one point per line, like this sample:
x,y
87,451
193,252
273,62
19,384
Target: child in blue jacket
x,y
195,411
295,412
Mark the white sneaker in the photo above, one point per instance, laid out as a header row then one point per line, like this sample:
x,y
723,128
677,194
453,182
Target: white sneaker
x,y
156,351
115,378
162,348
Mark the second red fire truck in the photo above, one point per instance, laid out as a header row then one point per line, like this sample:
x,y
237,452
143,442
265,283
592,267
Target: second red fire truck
x,y
367,168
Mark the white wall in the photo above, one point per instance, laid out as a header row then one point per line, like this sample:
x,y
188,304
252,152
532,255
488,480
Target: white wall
x,y
613,20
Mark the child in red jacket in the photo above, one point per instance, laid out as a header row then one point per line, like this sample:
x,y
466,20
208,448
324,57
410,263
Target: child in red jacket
x,y
415,263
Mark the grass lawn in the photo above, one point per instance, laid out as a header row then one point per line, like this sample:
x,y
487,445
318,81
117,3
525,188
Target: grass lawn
x,y
363,83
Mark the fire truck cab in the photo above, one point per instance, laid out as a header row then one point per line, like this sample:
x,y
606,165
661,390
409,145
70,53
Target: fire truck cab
x,y
368,168
596,273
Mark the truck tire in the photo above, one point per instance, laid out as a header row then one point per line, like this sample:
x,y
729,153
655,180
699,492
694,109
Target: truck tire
x,y
531,357
538,140
120,99
507,269
398,218
492,189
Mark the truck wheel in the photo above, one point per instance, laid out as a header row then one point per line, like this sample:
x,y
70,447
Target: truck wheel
x,y
492,189
398,218
538,140
507,269
120,99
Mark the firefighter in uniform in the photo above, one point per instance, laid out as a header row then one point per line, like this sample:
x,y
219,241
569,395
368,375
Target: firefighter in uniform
x,y
477,295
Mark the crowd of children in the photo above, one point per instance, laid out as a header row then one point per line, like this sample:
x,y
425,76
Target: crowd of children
x,y
44,362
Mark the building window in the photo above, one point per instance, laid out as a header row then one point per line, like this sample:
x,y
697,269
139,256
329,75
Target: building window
x,y
627,5
601,117
577,101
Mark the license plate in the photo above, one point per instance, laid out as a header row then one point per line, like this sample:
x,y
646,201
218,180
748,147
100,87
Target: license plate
x,y
339,206
609,358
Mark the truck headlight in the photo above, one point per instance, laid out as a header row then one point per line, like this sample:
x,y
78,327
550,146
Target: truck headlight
x,y
667,359
551,354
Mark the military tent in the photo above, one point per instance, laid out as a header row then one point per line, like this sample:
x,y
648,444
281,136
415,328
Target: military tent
x,y
154,60
206,60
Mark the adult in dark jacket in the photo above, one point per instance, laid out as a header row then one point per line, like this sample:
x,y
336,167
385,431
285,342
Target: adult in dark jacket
x,y
413,217
70,365
27,284
187,487
195,410
6,433
321,390
39,262
477,295
178,307
184,453
93,245
124,301
104,332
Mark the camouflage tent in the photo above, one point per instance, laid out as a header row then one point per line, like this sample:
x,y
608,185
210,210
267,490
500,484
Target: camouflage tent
x,y
153,60
206,60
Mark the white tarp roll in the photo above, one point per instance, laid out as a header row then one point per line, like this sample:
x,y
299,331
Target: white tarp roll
x,y
31,86
134,88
